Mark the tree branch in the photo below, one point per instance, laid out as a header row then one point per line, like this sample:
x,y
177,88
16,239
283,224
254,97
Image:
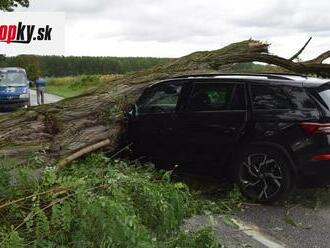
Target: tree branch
x,y
319,59
304,67
82,152
301,50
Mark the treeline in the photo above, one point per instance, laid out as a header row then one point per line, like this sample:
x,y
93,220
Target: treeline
x,y
59,66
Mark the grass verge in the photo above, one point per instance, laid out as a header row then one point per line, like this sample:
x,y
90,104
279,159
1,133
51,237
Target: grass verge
x,y
74,86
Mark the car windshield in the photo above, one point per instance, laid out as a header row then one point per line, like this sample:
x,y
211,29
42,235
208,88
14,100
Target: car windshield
x,y
13,79
325,95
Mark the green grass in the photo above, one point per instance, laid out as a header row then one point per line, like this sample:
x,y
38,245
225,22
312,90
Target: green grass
x,y
77,85
97,202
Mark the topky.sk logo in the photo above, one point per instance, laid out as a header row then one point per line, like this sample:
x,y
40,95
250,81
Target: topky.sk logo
x,y
21,33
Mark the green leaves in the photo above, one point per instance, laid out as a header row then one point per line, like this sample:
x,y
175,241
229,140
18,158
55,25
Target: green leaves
x,y
4,183
12,240
202,238
99,202
8,5
109,223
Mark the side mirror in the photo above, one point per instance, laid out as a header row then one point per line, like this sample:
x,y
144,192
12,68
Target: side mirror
x,y
132,111
31,83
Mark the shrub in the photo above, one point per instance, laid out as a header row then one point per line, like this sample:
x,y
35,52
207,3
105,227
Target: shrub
x,y
99,202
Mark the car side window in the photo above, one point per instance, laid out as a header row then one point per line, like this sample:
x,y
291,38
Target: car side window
x,y
160,99
216,97
267,97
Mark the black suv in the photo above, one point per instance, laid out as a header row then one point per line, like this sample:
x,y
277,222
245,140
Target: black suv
x,y
268,132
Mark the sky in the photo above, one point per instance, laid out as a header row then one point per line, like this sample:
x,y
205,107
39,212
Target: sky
x,y
173,28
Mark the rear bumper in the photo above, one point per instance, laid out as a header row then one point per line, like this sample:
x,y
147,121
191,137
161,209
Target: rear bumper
x,y
311,159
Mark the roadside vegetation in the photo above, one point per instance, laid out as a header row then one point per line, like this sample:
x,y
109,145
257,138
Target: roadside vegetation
x,y
76,85
102,202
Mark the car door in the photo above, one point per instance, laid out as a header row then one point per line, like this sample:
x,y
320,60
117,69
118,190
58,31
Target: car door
x,y
211,124
152,127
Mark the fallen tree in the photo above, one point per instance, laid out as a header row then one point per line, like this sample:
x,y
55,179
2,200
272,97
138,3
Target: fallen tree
x,y
68,129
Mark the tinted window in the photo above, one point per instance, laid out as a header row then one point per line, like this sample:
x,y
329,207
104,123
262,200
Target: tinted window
x,y
325,95
216,97
280,97
160,99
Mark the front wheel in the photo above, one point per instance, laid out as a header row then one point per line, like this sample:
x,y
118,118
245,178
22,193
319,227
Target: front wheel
x,y
263,175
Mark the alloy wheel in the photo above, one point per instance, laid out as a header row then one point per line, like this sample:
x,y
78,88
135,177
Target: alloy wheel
x,y
261,176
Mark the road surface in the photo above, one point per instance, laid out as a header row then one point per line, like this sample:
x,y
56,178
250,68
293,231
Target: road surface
x,y
294,226
48,98
304,224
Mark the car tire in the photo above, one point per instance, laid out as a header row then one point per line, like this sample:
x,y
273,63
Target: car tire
x,y
263,174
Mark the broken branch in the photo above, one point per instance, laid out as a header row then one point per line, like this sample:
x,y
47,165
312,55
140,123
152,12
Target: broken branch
x,y
301,50
82,152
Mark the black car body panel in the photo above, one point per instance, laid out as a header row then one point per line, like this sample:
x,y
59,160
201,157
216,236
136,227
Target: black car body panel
x,y
265,109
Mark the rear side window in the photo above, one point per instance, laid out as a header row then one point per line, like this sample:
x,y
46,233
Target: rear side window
x,y
266,97
160,99
325,95
216,97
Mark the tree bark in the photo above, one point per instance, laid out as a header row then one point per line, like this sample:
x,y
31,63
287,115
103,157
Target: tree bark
x,y
56,131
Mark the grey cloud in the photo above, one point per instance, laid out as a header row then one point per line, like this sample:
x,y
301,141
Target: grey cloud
x,y
192,22
291,15
164,23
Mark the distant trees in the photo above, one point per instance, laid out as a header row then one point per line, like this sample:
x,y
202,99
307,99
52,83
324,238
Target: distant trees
x,y
2,59
30,64
8,5
58,66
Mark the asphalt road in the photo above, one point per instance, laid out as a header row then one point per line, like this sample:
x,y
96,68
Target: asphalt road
x,y
294,226
303,224
48,98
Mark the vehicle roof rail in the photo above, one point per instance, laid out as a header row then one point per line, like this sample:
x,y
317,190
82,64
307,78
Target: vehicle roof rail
x,y
279,76
285,74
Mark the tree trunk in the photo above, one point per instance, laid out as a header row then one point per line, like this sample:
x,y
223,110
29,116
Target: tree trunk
x,y
56,131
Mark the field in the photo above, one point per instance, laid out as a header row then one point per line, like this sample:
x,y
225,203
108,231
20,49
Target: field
x,y
76,85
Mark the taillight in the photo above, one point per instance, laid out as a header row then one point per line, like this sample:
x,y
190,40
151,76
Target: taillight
x,y
321,157
316,128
